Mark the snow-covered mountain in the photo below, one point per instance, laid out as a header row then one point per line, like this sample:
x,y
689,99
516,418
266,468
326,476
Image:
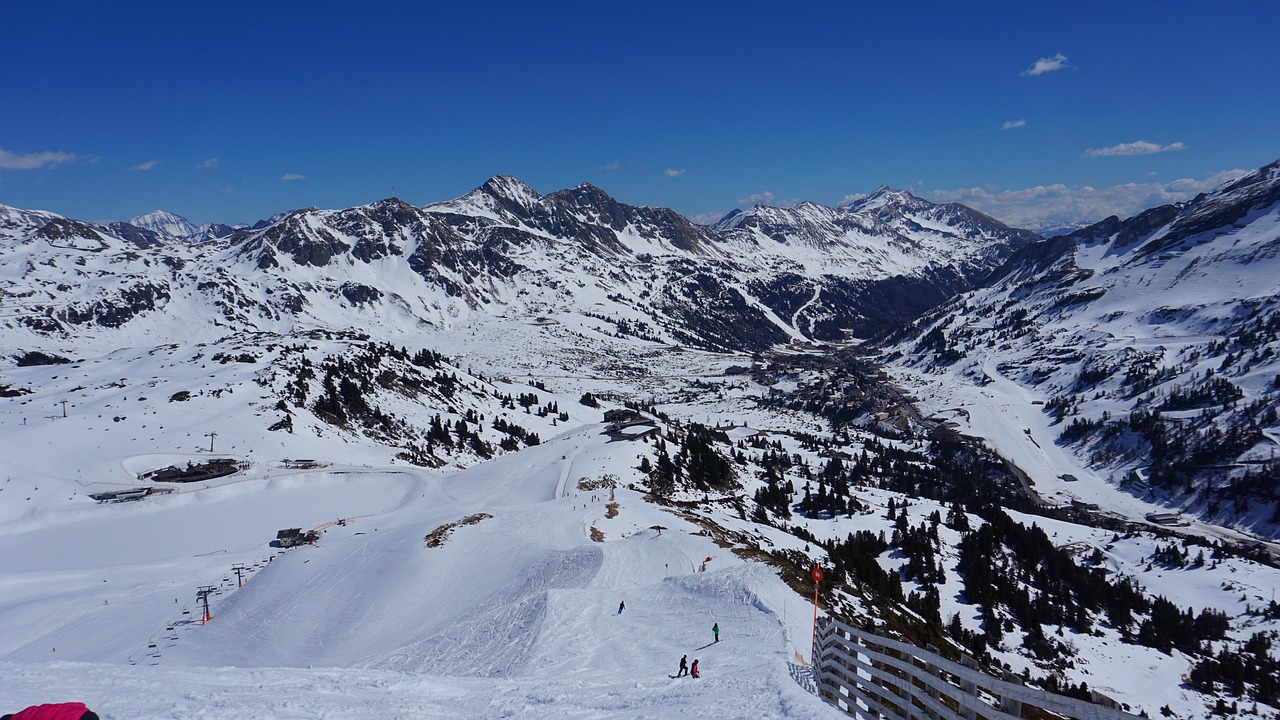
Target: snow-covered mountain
x,y
502,249
888,233
1050,229
175,227
445,369
163,222
1142,352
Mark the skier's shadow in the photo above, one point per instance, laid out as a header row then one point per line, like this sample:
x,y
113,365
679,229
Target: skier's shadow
x,y
704,647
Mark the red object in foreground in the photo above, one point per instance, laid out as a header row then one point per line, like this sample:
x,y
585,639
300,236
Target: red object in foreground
x,y
55,711
817,574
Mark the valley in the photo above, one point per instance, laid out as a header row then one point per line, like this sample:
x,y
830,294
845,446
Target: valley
x,y
451,366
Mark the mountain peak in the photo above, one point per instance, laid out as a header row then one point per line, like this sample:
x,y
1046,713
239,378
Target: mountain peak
x,y
510,188
588,188
584,194
392,201
1226,205
885,196
165,223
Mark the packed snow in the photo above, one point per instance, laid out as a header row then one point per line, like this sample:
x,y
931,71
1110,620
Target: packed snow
x,y
514,615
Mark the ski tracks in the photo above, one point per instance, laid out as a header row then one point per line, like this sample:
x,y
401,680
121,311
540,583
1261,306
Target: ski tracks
x,y
497,639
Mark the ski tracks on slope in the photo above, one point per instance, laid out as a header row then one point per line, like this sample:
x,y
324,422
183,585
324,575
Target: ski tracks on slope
x,y
498,638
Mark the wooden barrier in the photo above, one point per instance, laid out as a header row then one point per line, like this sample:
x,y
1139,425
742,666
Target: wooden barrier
x,y
868,676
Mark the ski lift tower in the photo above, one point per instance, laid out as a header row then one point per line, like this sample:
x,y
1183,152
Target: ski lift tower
x,y
239,569
202,596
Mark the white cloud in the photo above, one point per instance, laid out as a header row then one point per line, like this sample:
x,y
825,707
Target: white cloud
x,y
673,172
1045,206
706,218
851,199
762,197
1011,124
1047,64
210,163
613,165
34,161
1141,147
143,167
292,176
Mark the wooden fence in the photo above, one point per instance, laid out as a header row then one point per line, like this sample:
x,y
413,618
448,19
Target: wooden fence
x,y
868,676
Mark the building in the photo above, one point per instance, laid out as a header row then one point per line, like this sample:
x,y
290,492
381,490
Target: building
x,y
622,415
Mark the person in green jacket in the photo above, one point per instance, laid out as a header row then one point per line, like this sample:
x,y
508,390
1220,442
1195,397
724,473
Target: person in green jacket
x,y
715,629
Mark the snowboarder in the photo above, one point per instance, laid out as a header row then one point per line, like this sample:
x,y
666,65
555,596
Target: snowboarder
x,y
622,606
684,666
693,671
715,630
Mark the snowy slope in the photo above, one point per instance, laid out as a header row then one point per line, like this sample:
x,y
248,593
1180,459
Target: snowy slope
x,y
286,341
512,616
1174,312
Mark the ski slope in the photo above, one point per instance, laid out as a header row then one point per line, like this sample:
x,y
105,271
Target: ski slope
x,y
513,616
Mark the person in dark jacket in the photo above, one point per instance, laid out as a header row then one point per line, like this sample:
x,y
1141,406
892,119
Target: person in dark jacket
x,y
693,672
622,606
684,666
715,630
54,711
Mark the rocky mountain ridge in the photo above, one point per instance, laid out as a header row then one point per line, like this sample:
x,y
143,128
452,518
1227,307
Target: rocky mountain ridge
x,y
770,276
176,227
1151,344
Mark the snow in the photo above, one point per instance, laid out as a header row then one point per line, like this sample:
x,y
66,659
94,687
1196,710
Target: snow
x,y
165,223
1165,307
513,616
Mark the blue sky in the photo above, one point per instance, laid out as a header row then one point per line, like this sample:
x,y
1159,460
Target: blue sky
x,y
230,112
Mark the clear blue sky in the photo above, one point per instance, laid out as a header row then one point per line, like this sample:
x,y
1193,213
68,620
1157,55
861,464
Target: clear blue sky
x,y
206,109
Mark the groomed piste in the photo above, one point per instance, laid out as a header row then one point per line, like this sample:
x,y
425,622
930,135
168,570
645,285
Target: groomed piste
x,y
515,614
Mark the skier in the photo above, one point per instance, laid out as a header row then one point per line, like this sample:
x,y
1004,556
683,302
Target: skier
x,y
622,606
684,666
715,629
693,672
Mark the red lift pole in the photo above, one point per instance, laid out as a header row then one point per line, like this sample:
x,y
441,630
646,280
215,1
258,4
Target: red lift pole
x,y
817,579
